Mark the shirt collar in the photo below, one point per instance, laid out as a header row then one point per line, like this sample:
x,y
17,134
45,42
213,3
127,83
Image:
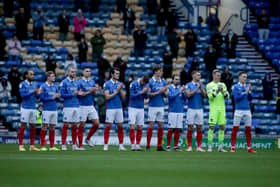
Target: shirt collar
x,y
70,79
29,83
195,83
114,82
173,85
48,83
241,84
85,79
154,79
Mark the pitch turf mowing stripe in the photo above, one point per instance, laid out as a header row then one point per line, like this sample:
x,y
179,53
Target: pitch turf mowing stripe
x,y
138,169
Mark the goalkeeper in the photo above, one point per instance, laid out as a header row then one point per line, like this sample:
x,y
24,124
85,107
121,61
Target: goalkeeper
x,y
216,92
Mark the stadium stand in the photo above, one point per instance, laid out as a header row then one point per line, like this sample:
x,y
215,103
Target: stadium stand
x,y
249,58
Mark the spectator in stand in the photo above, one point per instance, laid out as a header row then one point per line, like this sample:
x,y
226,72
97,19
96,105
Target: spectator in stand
x,y
21,24
140,38
164,4
8,7
51,63
63,24
97,43
70,62
210,60
200,21
94,5
121,4
83,49
2,45
186,73
104,67
13,49
161,22
273,7
227,78
128,18
167,62
213,22
263,21
38,24
5,88
267,84
171,20
173,41
190,40
278,100
217,42
14,78
151,5
25,4
120,64
79,25
231,42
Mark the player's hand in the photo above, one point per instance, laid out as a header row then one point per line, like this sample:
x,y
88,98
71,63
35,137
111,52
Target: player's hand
x,y
57,95
220,88
163,89
200,84
146,89
119,87
76,92
93,89
248,88
38,91
182,89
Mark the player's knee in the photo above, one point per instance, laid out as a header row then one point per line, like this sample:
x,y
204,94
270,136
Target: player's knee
x,y
199,128
222,127
132,127
190,127
52,127
139,127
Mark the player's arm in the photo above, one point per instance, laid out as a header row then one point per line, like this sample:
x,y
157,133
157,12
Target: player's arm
x,y
203,91
24,91
190,93
211,92
225,92
107,94
64,92
237,94
44,96
172,93
133,91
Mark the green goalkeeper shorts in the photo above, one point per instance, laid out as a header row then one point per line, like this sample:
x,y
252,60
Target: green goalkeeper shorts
x,y
217,117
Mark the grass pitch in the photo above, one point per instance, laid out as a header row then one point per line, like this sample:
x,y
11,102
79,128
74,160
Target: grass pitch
x,y
138,169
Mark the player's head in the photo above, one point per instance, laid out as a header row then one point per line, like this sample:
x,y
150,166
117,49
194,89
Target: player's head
x,y
157,71
29,75
86,72
216,75
144,80
242,76
115,74
175,79
50,76
72,72
196,76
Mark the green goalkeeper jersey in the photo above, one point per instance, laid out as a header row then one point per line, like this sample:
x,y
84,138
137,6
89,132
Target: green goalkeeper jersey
x,y
216,100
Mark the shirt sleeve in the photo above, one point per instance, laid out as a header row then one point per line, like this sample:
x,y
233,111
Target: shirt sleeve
x,y
44,96
172,93
133,91
237,93
24,91
211,92
64,92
